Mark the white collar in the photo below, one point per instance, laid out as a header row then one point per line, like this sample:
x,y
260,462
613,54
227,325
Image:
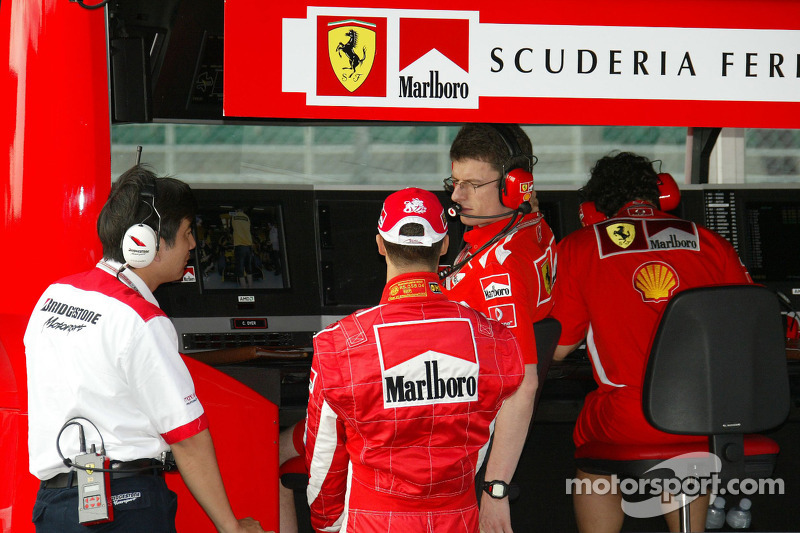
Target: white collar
x,y
128,277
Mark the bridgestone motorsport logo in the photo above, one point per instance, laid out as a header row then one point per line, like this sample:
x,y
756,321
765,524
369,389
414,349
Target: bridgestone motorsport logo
x,y
138,248
498,286
441,369
80,314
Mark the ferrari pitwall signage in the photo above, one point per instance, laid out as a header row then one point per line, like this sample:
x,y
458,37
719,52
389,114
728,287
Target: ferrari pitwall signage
x,y
458,65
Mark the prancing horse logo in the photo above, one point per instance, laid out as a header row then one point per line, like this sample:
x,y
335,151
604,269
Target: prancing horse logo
x,y
621,234
351,49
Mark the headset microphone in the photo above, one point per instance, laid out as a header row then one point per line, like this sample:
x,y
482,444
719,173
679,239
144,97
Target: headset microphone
x,y
525,208
454,210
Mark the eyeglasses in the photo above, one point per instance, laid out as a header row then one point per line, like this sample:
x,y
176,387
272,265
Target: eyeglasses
x,y
451,184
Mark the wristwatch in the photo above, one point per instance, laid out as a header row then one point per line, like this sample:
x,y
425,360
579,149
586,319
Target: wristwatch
x,y
496,489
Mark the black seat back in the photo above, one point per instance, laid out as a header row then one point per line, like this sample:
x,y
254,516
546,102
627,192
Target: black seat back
x,y
718,363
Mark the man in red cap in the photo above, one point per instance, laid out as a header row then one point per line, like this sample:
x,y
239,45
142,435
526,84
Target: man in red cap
x,y
402,395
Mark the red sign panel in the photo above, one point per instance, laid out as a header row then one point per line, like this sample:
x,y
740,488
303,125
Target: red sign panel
x,y
669,63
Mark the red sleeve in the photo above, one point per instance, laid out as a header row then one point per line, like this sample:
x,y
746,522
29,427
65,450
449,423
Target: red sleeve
x,y
187,430
326,456
569,307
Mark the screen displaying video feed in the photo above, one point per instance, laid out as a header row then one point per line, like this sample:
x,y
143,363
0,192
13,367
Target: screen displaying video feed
x,y
241,246
773,232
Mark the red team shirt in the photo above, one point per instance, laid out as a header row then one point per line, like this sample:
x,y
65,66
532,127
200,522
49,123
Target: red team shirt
x,y
401,403
615,279
511,281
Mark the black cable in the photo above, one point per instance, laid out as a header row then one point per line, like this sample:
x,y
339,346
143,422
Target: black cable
x,y
68,462
93,6
74,422
502,233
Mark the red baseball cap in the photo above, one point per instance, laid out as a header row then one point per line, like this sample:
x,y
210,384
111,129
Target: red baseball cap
x,y
412,205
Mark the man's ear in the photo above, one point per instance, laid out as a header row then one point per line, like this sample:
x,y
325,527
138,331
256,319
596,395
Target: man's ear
x,y
381,247
162,244
445,245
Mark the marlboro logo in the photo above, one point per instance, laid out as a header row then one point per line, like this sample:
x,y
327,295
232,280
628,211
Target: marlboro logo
x,y
444,369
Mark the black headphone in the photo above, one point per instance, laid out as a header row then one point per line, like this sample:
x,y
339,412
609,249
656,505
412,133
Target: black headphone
x,y
140,243
516,184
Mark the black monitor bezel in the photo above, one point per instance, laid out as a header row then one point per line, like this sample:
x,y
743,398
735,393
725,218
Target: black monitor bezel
x,y
301,297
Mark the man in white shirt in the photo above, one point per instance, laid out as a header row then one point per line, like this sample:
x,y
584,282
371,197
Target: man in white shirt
x,y
102,355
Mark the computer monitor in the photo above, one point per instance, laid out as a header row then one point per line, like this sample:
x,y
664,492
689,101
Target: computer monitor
x,y
242,245
560,209
763,224
352,272
265,293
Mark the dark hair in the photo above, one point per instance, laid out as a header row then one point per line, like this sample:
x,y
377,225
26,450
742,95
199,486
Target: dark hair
x,y
405,256
484,143
618,179
125,207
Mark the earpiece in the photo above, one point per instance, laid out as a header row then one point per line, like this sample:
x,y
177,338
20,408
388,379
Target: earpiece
x,y
589,214
516,185
669,196
516,189
140,243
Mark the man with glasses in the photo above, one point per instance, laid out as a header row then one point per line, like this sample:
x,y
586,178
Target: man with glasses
x,y
505,270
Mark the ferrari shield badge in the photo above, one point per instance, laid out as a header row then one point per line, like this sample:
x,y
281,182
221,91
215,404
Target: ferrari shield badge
x,y
547,278
351,49
621,234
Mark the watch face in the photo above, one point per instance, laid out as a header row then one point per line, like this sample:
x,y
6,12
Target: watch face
x,y
498,490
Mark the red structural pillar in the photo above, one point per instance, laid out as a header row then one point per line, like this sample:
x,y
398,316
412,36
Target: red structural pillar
x,y
55,177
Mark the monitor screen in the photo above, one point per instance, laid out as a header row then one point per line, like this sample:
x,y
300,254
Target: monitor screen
x,y
763,224
560,209
242,246
773,233
352,272
255,257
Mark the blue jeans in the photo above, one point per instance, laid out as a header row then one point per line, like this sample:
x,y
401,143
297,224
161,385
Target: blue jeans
x,y
142,504
243,256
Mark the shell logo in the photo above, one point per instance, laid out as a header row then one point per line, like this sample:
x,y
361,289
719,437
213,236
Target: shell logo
x,y
655,281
